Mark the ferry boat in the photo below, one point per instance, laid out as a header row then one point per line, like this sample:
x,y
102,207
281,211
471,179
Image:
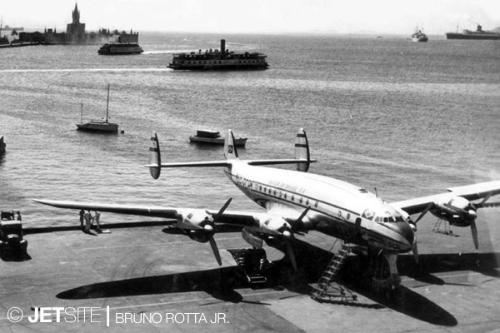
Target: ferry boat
x,y
98,126
214,137
222,59
419,36
478,34
120,49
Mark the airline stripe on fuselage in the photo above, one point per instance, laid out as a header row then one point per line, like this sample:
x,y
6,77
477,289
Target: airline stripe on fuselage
x,y
278,194
286,196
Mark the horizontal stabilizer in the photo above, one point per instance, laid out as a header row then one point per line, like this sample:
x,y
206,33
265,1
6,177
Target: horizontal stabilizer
x,y
222,163
279,161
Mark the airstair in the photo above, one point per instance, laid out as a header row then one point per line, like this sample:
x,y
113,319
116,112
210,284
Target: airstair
x,y
253,264
328,289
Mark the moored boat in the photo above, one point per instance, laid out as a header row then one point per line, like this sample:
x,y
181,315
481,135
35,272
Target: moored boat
x,y
98,125
214,137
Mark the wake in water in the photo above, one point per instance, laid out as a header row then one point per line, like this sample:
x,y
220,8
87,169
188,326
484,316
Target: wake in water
x,y
166,51
82,70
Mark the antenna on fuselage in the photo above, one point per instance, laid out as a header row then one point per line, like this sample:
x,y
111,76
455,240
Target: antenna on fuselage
x,y
376,192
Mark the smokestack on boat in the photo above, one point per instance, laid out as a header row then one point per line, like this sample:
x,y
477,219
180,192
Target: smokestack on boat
x,y
222,46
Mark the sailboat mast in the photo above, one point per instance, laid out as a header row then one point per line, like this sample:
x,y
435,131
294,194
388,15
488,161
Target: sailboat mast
x,y
81,113
107,105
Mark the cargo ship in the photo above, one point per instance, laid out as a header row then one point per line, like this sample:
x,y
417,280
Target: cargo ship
x,y
478,34
120,49
419,36
222,59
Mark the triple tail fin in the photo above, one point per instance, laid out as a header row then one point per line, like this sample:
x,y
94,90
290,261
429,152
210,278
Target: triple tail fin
x,y
302,156
230,151
302,151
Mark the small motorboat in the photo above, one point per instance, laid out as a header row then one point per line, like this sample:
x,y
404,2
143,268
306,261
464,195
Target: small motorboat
x,y
214,137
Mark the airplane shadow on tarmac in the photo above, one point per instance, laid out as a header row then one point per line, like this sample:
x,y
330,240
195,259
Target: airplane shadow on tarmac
x,y
222,283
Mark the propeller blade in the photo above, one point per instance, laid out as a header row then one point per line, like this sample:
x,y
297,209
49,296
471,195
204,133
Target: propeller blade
x,y
298,224
215,250
304,213
473,229
424,212
415,249
221,211
489,205
291,255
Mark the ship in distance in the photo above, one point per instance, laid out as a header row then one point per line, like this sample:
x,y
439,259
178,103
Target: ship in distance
x,y
222,59
419,36
120,49
479,33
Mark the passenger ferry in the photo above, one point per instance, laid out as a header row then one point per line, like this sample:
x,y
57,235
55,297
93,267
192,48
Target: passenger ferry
x,y
120,49
222,59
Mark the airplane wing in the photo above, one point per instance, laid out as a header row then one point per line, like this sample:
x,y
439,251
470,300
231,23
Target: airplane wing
x,y
198,224
234,219
469,192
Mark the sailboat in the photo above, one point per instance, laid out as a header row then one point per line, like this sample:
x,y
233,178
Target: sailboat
x,y
98,125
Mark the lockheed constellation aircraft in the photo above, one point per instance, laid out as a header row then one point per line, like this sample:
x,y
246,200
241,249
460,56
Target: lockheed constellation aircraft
x,y
298,201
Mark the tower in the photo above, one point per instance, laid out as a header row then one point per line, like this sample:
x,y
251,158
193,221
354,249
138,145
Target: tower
x,y
75,31
76,14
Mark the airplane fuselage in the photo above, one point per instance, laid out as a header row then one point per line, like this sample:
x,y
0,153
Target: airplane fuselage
x,y
336,208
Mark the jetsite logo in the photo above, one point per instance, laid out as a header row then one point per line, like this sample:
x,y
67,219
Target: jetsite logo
x,y
93,315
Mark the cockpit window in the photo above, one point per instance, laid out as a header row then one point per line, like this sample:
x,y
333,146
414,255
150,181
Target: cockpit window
x,y
362,190
368,214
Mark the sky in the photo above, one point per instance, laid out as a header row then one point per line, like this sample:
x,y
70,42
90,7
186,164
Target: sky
x,y
258,16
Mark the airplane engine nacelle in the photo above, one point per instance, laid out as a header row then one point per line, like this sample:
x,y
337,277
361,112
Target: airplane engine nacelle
x,y
194,220
199,236
275,225
457,211
251,238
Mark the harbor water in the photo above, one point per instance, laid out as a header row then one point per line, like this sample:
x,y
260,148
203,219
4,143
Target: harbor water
x,y
410,119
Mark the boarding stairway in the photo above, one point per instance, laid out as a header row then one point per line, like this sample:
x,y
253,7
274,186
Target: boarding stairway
x,y
252,263
328,289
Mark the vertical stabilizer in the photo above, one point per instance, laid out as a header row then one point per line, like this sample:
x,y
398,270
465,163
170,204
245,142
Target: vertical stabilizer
x,y
154,157
302,150
230,151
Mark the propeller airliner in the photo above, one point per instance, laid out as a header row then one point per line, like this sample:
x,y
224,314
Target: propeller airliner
x,y
296,201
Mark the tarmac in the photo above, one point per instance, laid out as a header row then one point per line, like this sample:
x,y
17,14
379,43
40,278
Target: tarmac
x,y
147,279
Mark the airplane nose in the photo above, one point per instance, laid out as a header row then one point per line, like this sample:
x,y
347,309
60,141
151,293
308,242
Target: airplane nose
x,y
406,233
